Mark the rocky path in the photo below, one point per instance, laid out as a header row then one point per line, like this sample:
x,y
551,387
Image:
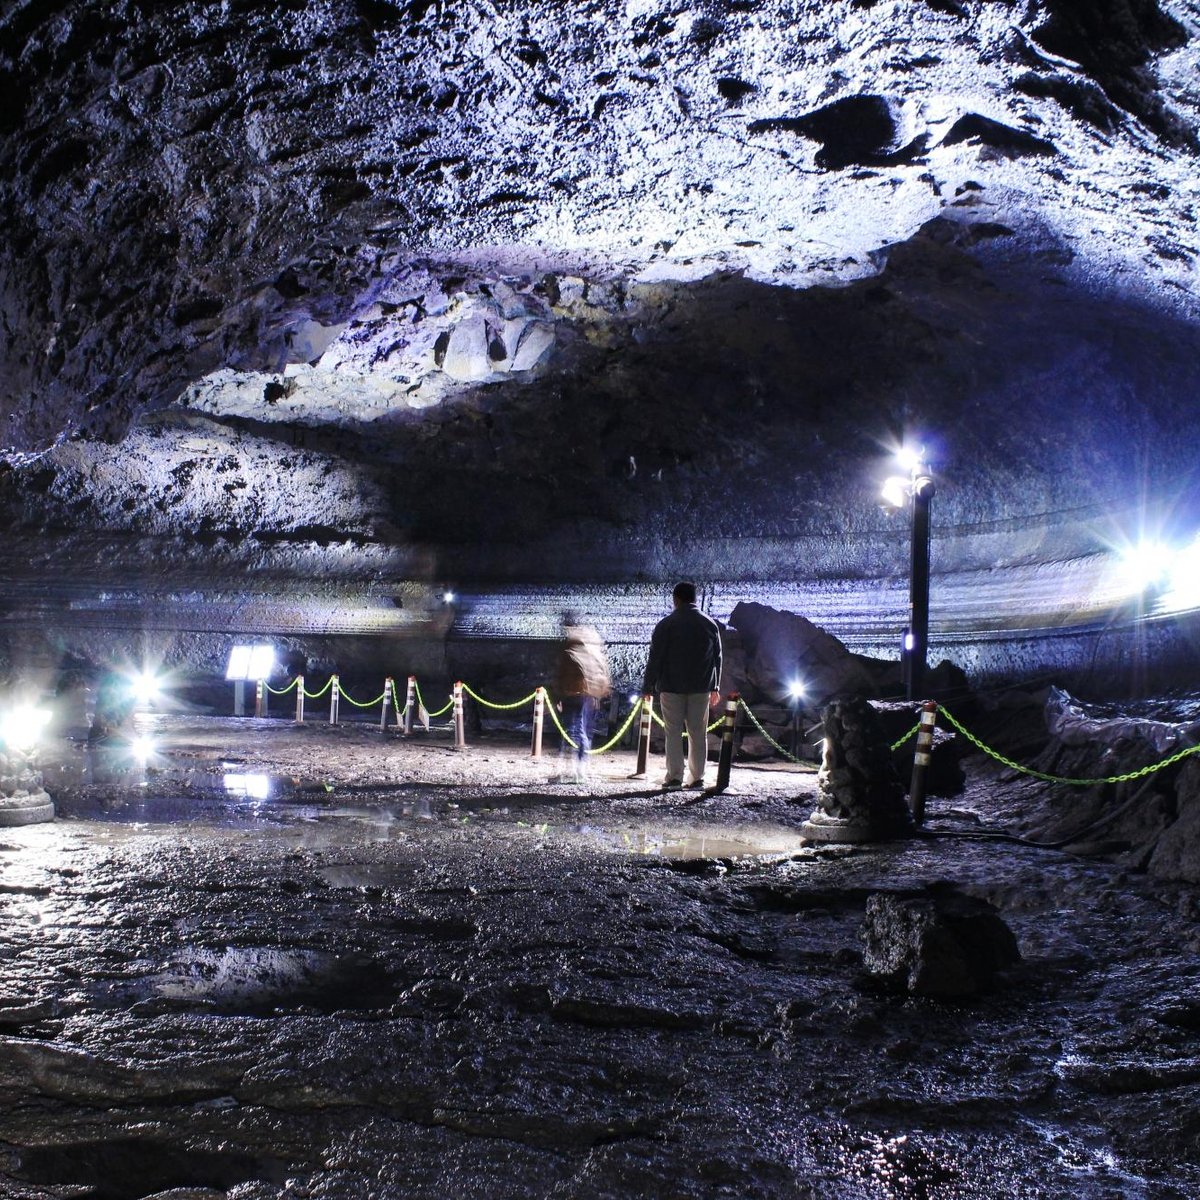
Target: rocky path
x,y
314,963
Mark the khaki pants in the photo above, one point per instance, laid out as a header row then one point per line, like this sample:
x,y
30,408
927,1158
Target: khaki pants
x,y
688,710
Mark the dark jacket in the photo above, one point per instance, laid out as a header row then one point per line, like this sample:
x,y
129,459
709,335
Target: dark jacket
x,y
685,653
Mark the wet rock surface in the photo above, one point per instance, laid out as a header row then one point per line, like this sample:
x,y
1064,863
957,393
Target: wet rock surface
x,y
393,969
945,944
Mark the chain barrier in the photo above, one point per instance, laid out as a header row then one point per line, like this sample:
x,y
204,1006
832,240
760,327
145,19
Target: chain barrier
x,y
708,728
422,705
566,737
758,725
1126,777
616,737
359,703
487,703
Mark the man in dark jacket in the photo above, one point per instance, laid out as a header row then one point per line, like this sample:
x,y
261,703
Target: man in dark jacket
x,y
684,668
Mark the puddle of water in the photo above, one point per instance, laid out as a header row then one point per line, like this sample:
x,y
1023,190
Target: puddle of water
x,y
674,846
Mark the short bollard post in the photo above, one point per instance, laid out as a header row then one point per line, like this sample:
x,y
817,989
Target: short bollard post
x,y
260,698
299,699
725,762
643,758
410,705
460,730
239,697
921,759
388,685
539,713
335,694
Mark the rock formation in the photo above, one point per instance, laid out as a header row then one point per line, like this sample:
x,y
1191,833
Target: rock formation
x,y
375,296
859,797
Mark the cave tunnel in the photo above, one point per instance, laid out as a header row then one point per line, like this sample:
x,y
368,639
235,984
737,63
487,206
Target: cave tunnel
x,y
384,332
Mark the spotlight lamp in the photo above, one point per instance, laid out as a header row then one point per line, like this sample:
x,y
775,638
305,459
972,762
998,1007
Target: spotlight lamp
x,y
795,689
448,597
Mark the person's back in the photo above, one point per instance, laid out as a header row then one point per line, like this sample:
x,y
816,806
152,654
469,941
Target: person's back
x,y
685,653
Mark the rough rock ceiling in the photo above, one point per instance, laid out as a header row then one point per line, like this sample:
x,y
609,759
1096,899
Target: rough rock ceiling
x,y
704,260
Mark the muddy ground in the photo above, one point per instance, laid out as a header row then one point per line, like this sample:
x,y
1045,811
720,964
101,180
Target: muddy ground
x,y
390,970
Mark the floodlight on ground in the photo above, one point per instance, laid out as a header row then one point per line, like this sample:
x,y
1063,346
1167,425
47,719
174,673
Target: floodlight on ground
x,y
250,662
448,597
23,727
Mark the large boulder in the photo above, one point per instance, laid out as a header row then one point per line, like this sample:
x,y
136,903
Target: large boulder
x,y
945,944
781,647
1176,854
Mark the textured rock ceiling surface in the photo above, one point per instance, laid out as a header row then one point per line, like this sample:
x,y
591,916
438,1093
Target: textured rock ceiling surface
x,y
497,270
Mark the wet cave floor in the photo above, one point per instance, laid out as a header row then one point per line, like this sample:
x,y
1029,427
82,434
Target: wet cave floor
x,y
313,962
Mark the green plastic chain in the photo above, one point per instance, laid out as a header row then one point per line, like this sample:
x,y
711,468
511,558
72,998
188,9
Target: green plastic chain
x,y
359,704
421,703
487,703
758,725
1127,777
896,745
662,725
281,691
318,695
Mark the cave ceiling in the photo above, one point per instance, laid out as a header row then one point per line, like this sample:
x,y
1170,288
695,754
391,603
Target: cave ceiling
x,y
471,273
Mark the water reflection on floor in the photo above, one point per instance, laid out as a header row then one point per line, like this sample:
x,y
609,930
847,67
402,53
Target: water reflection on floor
x,y
113,783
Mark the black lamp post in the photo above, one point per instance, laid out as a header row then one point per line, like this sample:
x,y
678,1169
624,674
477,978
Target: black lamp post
x,y
918,490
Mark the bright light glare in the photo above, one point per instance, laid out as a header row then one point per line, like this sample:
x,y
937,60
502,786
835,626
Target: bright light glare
x,y
146,687
895,491
1182,593
251,662
449,597
142,748
21,728
1146,564
252,787
795,689
909,458
909,641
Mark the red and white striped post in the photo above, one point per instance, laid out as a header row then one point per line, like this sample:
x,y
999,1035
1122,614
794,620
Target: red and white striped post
x,y
388,685
299,699
539,714
335,694
460,728
410,705
922,757
643,753
725,762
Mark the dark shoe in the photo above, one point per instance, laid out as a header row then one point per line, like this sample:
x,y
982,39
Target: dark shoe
x,y
672,785
695,783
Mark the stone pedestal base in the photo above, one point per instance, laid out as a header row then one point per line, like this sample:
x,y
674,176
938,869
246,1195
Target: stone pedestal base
x,y
26,809
821,827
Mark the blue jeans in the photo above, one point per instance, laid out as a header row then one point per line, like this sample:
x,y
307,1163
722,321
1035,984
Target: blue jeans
x,y
579,713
